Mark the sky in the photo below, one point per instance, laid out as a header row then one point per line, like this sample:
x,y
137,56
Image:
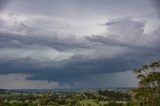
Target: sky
x,y
47,44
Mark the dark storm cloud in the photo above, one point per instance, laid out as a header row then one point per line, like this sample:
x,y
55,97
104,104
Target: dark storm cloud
x,y
106,41
77,71
124,48
3,3
156,3
14,40
73,70
141,48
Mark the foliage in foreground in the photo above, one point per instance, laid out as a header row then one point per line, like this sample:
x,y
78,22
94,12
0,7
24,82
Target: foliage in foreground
x,y
148,92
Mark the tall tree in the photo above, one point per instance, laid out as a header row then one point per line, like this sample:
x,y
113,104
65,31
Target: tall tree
x,y
148,92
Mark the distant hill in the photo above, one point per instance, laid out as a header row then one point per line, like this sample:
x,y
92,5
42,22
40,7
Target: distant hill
x,y
72,89
3,90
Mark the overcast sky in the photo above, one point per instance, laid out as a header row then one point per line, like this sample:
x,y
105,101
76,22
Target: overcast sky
x,y
76,43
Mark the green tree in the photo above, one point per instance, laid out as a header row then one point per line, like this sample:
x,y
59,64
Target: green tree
x,y
43,101
51,103
148,92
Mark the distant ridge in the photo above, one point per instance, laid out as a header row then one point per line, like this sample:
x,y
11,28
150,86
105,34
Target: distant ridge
x,y
73,89
3,89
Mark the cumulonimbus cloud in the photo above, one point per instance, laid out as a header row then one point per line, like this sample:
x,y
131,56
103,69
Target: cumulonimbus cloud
x,y
112,52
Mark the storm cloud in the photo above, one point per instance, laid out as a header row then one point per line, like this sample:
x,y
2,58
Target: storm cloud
x,y
65,50
156,3
114,52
